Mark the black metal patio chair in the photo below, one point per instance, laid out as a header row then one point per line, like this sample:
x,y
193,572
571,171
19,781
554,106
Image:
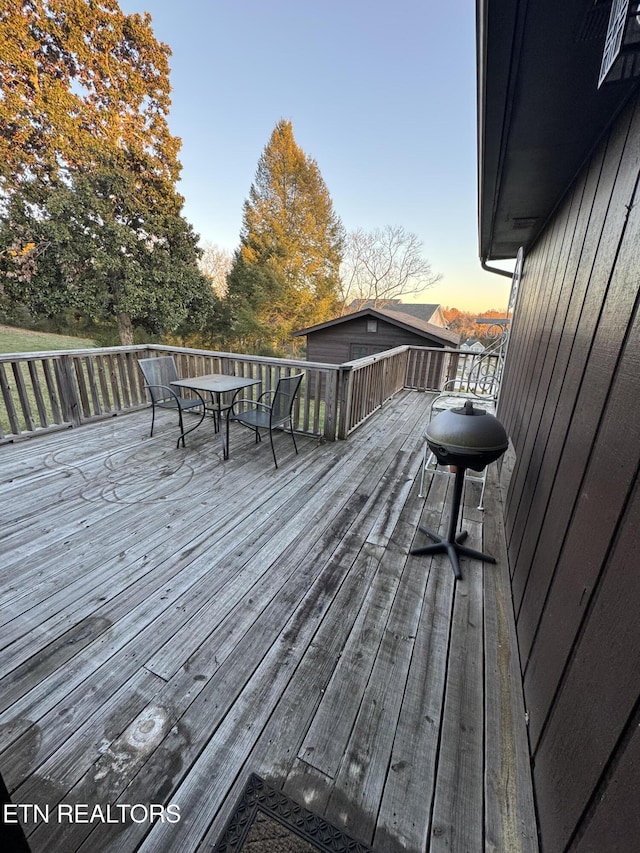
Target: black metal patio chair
x,y
158,374
269,416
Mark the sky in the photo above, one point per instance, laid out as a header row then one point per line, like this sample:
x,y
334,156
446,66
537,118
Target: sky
x,y
381,95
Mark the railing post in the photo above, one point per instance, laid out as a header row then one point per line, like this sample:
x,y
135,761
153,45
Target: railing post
x,y
68,390
343,395
332,384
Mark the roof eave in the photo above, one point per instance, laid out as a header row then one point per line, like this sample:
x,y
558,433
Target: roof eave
x,y
540,112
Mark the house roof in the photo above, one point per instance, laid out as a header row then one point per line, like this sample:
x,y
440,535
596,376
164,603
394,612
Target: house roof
x,y
421,310
397,318
540,112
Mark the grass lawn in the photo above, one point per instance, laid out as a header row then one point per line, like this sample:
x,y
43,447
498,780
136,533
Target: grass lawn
x,y
13,339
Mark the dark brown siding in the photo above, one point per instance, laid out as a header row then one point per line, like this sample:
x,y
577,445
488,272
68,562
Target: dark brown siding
x,y
571,404
333,345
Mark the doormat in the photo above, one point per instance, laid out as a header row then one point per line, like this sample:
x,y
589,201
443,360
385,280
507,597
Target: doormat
x,y
267,821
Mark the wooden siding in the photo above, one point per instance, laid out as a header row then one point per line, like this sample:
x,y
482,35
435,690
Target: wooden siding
x,y
172,622
333,345
570,404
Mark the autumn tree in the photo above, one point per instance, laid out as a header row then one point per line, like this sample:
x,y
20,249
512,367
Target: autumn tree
x,y
79,80
383,264
88,169
464,323
285,274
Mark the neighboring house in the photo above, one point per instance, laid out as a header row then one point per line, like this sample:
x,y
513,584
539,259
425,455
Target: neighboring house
x,y
369,331
471,345
428,312
559,169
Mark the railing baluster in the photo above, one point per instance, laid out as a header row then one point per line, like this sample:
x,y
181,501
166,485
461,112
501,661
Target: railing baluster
x,y
27,417
7,396
107,405
67,389
123,381
37,392
115,389
52,391
78,364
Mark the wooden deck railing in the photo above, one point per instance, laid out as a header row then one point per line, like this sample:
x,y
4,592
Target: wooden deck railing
x,y
44,391
367,383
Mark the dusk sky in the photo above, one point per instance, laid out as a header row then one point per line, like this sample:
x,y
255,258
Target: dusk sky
x,y
381,95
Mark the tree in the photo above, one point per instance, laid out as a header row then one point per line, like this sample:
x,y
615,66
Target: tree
x,y
383,264
113,251
464,323
285,274
216,264
81,79
88,169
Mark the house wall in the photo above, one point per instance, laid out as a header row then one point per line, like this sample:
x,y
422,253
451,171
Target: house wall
x,y
571,405
333,345
438,318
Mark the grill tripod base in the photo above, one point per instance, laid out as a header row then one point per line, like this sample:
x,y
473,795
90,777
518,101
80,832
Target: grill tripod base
x,y
452,544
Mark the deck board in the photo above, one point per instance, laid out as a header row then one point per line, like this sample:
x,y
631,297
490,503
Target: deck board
x,y
172,621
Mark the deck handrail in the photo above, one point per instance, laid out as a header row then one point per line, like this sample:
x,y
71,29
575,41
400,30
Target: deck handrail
x,y
45,391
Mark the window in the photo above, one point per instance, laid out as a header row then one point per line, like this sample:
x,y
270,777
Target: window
x,y
362,350
372,326
358,351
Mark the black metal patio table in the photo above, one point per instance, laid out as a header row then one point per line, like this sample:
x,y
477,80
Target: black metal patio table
x,y
218,384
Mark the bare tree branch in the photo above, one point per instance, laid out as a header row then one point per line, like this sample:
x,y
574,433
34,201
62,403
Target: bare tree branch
x,y
383,264
216,263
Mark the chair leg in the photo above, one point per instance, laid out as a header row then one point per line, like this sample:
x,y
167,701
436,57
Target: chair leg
x,y
216,420
484,483
153,417
293,437
424,465
181,428
273,450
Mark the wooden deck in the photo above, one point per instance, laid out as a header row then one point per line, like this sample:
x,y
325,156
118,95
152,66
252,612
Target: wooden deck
x,y
172,622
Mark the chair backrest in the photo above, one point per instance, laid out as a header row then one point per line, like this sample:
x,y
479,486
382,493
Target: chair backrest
x,y
284,397
480,375
158,372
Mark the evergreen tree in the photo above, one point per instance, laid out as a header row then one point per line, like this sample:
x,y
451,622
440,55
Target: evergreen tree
x,y
90,219
112,250
285,275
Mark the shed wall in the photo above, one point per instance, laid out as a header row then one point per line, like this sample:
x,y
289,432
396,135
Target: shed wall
x,y
334,344
570,404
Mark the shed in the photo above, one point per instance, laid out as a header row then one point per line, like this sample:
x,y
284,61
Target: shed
x,y
369,331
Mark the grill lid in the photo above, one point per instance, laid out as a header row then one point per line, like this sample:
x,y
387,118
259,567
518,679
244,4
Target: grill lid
x,y
466,436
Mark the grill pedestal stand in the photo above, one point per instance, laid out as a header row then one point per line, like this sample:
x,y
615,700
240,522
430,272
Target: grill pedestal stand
x,y
452,544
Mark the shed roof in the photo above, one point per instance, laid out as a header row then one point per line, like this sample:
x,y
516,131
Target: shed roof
x,y
397,318
540,112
